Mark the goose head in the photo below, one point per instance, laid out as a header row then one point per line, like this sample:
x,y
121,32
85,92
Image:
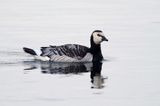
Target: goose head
x,y
98,37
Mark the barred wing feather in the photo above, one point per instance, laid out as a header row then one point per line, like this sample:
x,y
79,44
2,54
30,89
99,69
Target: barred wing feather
x,y
69,50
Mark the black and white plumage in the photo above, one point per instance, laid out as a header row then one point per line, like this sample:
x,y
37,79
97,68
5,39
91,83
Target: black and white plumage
x,y
72,52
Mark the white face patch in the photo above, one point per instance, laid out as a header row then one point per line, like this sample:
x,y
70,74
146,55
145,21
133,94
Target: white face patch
x,y
97,39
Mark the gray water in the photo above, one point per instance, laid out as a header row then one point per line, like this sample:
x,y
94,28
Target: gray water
x,y
129,76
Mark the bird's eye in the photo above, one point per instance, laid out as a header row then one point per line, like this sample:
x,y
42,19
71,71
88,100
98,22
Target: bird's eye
x,y
99,35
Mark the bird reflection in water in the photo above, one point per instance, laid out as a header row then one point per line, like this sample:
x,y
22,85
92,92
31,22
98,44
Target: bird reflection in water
x,y
94,68
97,79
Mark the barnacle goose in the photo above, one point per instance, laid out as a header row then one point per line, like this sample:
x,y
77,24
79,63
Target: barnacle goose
x,y
72,52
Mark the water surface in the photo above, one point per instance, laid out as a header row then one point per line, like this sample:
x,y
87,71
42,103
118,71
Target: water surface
x,y
128,77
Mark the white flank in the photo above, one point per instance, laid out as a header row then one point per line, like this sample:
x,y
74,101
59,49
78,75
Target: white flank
x,y
57,58
87,58
41,58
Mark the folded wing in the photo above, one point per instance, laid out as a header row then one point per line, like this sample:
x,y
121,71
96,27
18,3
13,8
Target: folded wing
x,y
70,50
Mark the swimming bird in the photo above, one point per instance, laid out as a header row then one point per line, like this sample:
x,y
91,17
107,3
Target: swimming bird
x,y
72,52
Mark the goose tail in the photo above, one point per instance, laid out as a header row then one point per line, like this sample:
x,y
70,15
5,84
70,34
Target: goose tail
x,y
29,51
34,54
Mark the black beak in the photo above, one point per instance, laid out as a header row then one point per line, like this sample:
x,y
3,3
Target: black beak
x,y
104,38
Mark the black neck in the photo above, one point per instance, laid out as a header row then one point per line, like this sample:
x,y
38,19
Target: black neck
x,y
95,49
